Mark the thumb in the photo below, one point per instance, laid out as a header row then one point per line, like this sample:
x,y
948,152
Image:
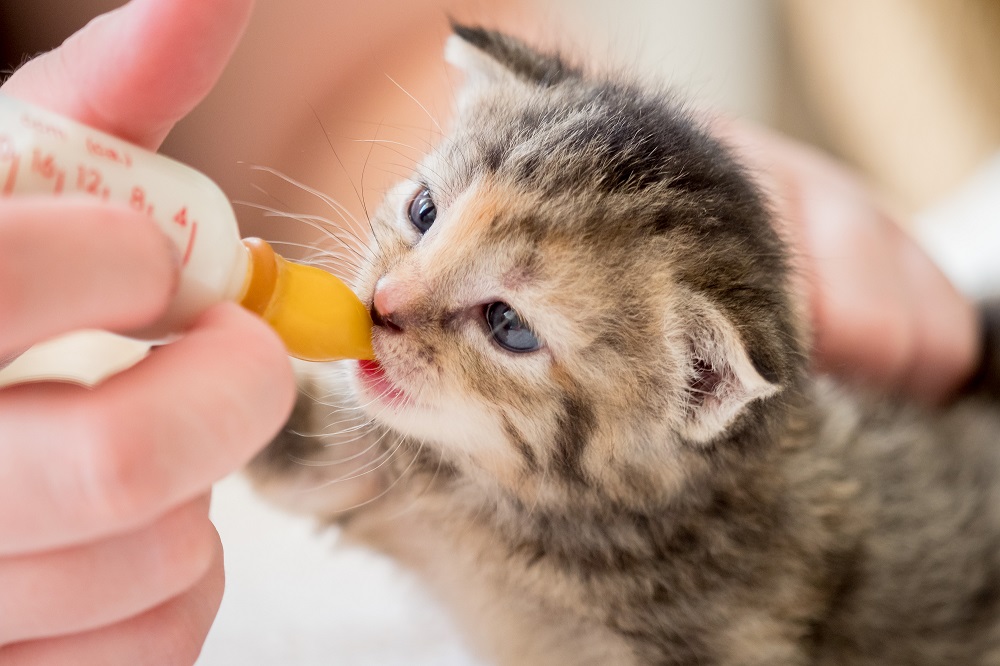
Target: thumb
x,y
137,70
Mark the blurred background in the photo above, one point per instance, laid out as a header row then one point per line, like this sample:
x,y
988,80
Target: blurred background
x,y
904,91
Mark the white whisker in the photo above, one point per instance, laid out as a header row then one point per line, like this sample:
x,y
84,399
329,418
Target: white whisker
x,y
325,198
309,220
417,102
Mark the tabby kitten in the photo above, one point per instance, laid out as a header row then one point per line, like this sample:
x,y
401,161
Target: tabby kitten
x,y
591,429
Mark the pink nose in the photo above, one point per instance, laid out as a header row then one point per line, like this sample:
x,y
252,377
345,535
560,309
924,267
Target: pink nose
x,y
390,297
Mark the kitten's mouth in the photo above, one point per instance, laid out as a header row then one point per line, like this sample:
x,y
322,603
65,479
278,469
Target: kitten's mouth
x,y
378,385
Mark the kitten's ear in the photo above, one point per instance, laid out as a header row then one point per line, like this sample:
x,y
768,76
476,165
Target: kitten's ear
x,y
487,57
722,380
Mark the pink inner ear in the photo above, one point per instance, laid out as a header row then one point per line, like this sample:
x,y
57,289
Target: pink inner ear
x,y
721,378
705,381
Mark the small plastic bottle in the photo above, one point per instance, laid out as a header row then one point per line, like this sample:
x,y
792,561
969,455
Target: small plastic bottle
x,y
318,316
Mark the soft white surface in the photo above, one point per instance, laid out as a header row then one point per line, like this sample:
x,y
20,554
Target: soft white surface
x,y
962,233
295,598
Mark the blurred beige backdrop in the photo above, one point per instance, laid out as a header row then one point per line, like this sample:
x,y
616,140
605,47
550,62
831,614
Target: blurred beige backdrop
x,y
906,90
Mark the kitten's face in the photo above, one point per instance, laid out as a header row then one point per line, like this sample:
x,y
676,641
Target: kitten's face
x,y
547,293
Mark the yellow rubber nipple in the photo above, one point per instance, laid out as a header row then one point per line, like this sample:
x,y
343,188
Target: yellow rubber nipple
x,y
318,316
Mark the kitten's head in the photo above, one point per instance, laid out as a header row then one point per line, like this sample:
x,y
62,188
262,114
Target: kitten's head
x,y
577,289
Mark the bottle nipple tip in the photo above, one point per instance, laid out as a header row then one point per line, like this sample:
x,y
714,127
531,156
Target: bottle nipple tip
x,y
317,316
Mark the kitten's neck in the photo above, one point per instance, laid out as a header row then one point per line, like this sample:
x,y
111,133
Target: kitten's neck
x,y
735,480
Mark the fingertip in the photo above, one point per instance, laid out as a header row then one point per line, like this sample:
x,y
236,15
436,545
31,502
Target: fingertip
x,y
138,69
205,606
239,365
171,633
137,235
259,346
156,434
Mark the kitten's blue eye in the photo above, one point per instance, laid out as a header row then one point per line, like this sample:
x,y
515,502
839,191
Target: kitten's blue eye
x,y
508,330
423,211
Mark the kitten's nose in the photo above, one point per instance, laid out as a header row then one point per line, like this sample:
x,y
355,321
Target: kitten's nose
x,y
386,304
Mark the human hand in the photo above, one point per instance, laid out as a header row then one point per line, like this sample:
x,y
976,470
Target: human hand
x,y
107,555
882,313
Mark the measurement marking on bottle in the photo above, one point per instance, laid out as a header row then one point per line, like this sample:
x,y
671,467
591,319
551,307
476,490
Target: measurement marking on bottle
x,y
190,244
8,186
39,125
45,165
88,180
97,149
139,202
181,218
9,155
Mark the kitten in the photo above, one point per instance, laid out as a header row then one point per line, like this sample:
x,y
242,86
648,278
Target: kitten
x,y
591,429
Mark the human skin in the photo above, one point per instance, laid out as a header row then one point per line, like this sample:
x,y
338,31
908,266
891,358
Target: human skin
x,y
882,314
107,554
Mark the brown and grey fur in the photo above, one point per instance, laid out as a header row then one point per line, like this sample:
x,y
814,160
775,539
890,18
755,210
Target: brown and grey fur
x,y
662,482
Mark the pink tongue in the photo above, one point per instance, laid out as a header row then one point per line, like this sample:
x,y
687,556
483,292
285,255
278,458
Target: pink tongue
x,y
370,367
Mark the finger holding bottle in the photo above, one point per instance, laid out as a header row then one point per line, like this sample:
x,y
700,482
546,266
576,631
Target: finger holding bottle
x,y
169,633
112,481
137,70
882,314
67,265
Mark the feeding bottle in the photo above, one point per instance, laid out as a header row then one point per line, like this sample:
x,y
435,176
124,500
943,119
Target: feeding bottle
x,y
318,316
